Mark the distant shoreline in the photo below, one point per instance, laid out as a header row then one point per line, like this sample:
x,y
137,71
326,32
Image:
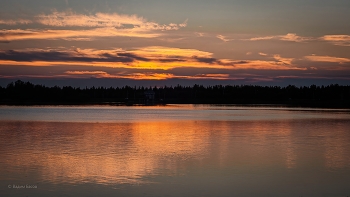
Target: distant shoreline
x,y
27,94
314,105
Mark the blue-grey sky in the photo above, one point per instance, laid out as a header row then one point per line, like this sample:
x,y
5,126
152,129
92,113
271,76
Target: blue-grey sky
x,y
275,42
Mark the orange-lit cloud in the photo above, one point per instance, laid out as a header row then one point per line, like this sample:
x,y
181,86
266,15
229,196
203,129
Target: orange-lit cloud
x,y
85,72
148,75
199,34
93,26
162,76
232,65
149,58
167,52
15,22
209,76
250,65
64,19
30,34
262,38
223,38
294,38
340,40
135,76
311,77
286,61
288,37
317,58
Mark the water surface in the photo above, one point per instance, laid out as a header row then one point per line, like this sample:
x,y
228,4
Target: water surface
x,y
178,150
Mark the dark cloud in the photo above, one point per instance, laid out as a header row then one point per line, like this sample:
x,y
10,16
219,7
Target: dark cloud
x,y
206,60
210,60
171,60
168,58
54,56
133,56
240,62
76,56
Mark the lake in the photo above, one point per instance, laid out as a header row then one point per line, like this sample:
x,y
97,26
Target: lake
x,y
174,150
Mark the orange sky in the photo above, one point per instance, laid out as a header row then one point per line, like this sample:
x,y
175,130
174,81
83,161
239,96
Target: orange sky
x,y
124,43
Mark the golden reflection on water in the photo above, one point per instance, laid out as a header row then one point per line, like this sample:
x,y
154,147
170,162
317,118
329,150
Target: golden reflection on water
x,y
105,153
119,153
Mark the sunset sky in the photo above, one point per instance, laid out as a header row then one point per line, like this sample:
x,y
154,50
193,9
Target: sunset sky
x,y
186,42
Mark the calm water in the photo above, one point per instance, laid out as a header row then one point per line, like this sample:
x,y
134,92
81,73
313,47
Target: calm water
x,y
180,150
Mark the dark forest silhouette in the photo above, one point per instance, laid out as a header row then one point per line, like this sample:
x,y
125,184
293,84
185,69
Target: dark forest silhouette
x,y
26,93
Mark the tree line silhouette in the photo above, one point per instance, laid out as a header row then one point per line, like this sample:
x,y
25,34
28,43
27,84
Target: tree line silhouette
x,y
26,93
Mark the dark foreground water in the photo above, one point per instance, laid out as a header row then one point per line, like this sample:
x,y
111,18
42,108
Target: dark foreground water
x,y
181,150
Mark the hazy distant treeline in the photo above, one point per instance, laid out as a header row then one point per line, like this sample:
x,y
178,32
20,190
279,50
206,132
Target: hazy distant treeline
x,y
26,93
